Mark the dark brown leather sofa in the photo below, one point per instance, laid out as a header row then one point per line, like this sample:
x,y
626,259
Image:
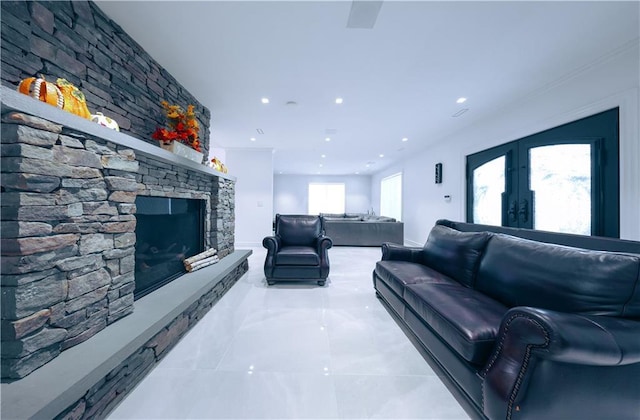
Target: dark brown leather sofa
x,y
522,328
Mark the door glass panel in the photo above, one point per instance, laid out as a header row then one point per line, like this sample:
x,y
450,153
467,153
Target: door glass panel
x,y
488,186
560,178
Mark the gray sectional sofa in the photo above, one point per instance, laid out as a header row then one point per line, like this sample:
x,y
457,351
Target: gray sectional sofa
x,y
355,229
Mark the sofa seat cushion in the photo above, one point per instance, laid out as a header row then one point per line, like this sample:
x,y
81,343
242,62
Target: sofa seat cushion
x,y
297,255
397,274
465,319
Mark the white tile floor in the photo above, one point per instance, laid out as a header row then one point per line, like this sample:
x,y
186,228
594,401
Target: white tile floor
x,y
295,351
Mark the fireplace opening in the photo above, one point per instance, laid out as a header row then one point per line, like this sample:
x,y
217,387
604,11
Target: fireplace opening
x,y
168,230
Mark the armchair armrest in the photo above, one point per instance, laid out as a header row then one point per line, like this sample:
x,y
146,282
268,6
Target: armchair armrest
x,y
272,243
531,340
395,252
323,244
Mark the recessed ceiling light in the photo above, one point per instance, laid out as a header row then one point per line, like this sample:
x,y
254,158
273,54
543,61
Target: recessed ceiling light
x,y
357,173
264,100
323,156
339,101
461,100
252,139
381,155
327,139
405,139
367,165
320,165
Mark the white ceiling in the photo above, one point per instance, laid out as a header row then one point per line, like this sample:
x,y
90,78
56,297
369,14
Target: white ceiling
x,y
399,79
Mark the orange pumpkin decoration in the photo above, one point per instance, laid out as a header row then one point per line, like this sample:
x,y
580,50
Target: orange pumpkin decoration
x,y
62,94
42,90
74,100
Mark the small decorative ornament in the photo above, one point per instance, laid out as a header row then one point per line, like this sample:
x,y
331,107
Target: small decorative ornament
x,y
105,121
38,88
74,100
218,165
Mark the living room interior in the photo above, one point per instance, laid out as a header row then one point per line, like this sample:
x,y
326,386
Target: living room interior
x,y
291,94
405,83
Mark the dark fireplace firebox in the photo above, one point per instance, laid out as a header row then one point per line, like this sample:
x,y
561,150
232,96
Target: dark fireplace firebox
x,y
168,230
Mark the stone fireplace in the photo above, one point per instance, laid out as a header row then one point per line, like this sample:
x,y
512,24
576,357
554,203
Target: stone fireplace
x,y
69,227
71,193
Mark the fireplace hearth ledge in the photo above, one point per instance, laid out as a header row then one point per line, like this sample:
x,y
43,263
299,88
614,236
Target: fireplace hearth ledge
x,y
51,389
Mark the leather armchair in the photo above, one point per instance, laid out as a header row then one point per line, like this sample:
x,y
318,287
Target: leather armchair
x,y
298,250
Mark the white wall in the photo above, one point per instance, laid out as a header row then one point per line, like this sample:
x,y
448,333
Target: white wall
x,y
611,82
290,192
253,169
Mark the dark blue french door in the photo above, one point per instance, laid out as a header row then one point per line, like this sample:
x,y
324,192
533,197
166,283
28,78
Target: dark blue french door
x,y
563,180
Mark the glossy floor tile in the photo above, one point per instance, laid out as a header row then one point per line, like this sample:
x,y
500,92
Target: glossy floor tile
x,y
295,351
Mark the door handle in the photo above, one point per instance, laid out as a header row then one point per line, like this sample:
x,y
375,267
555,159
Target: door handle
x,y
513,211
524,210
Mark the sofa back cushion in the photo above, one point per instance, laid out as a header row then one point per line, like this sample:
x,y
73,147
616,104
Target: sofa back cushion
x,y
521,272
298,230
455,254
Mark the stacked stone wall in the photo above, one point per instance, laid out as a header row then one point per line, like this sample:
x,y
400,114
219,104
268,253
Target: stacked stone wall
x,y
75,40
68,236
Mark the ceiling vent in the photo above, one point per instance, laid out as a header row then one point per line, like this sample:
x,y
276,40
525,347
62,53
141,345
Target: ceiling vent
x,y
363,14
259,130
330,131
462,111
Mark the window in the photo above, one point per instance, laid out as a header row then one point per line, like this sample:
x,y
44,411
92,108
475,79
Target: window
x,y
326,198
391,196
562,180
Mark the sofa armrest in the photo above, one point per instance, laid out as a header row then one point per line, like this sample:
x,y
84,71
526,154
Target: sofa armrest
x,y
530,338
395,252
572,338
589,339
